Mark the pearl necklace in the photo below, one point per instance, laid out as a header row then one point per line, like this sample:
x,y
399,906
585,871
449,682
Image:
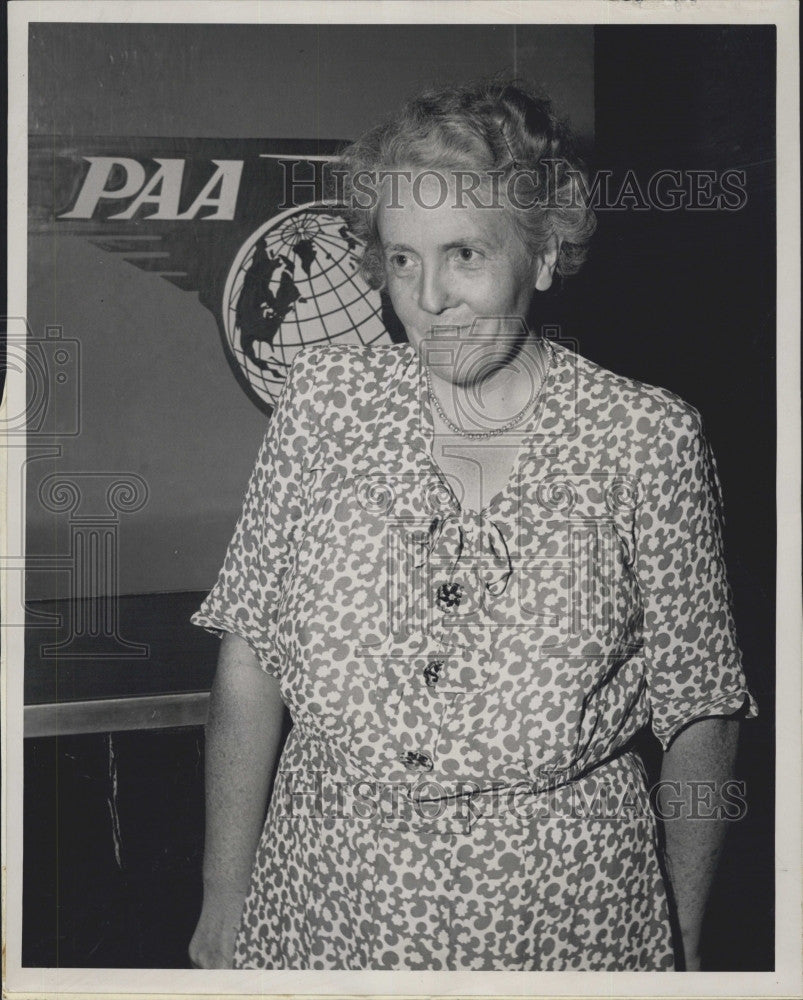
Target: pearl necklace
x,y
496,430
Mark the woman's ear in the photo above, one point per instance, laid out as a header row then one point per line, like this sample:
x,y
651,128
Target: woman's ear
x,y
545,264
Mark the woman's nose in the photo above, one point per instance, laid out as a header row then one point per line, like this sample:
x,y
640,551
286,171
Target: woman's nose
x,y
433,292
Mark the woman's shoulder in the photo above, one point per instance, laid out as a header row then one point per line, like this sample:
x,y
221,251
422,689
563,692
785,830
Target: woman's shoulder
x,y
341,389
619,401
355,366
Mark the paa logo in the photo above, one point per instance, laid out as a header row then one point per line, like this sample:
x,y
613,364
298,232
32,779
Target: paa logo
x,y
294,283
279,271
111,178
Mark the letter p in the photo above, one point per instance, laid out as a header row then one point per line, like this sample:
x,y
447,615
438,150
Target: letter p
x,y
94,187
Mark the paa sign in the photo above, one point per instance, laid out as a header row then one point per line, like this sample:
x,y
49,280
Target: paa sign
x,y
76,184
123,179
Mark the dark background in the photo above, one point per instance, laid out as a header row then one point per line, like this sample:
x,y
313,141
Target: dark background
x,y
687,300
681,299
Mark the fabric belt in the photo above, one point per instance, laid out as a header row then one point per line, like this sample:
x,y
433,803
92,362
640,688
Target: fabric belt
x,y
611,791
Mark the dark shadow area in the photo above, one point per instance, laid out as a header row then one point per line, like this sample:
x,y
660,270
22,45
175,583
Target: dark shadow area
x,y
686,300
113,845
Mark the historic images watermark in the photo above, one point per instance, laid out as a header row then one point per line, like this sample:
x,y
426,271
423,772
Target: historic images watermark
x,y
320,795
553,183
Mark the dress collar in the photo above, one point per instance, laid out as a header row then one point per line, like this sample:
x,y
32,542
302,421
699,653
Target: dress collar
x,y
405,414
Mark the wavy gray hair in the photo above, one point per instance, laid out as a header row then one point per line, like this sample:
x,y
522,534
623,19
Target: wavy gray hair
x,y
496,128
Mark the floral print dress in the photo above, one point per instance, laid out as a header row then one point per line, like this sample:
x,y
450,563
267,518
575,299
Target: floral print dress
x,y
458,790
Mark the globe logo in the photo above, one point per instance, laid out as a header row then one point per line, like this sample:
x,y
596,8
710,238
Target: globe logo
x,y
296,283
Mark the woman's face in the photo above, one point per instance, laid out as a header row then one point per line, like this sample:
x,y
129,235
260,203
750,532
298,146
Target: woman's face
x,y
460,267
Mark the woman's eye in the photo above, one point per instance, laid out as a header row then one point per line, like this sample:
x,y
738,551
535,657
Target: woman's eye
x,y
401,261
467,256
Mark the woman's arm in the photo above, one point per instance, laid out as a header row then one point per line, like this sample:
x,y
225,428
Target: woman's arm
x,y
242,738
695,767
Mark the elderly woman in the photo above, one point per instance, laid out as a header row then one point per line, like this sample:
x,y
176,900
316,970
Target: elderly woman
x,y
473,567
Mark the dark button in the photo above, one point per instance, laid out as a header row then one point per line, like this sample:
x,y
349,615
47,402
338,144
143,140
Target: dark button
x,y
433,671
449,595
414,760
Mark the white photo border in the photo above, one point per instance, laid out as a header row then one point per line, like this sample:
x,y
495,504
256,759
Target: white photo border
x,y
786,979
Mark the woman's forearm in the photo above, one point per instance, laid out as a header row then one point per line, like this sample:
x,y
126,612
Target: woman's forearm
x,y
695,769
242,738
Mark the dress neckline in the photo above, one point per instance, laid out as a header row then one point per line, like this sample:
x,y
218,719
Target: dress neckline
x,y
525,432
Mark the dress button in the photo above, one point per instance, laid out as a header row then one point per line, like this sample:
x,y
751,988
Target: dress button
x,y
449,595
433,671
414,760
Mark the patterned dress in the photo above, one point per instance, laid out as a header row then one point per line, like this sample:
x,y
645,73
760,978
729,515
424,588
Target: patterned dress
x,y
458,790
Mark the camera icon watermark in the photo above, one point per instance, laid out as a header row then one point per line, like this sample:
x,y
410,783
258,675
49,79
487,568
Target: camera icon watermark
x,y
50,367
460,364
71,538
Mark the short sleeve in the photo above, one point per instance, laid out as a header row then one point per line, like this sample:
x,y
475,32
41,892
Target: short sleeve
x,y
693,661
246,597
